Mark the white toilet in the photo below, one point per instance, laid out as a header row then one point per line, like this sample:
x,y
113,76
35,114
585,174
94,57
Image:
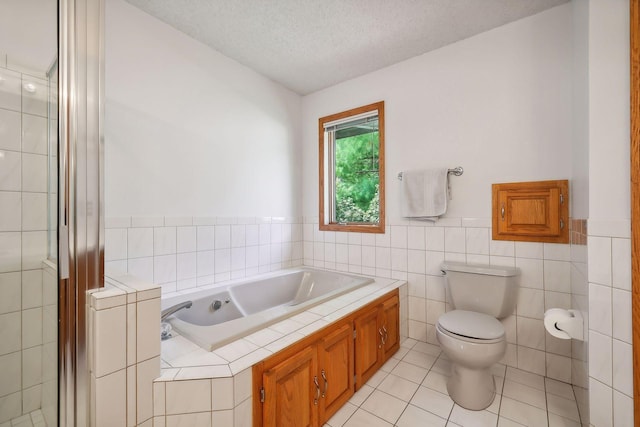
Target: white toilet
x,y
471,334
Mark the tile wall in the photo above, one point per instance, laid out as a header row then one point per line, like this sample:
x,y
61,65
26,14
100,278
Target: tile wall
x,y
23,240
49,403
610,350
553,275
580,301
124,353
188,252
209,401
414,251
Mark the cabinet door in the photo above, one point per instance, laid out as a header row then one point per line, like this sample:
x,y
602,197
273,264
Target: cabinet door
x,y
368,349
391,328
335,360
531,211
290,392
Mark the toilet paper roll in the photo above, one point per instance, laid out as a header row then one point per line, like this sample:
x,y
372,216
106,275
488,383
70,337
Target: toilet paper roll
x,y
552,317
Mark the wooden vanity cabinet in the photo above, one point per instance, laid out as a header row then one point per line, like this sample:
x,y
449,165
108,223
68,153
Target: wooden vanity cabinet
x,y
335,360
391,326
291,388
307,382
377,338
368,341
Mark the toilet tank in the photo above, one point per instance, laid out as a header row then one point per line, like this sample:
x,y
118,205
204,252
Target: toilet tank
x,y
488,289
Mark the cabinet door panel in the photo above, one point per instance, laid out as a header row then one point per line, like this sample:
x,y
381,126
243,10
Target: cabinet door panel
x,y
290,392
367,350
335,359
531,211
391,309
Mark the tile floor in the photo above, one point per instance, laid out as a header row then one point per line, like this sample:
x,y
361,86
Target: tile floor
x,y
33,419
410,391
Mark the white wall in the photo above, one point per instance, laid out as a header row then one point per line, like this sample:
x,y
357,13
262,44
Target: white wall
x,y
580,151
189,131
497,104
609,232
609,109
500,105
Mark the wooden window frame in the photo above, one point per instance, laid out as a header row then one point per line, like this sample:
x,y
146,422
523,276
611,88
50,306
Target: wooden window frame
x,y
325,224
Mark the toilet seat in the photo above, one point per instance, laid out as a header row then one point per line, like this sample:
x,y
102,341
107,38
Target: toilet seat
x,y
471,327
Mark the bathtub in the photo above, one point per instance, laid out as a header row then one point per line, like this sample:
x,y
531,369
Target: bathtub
x,y
223,314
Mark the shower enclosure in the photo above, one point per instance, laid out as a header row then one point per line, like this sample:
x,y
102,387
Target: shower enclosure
x,y
50,177
28,294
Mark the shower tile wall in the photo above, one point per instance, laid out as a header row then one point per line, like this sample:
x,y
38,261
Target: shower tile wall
x,y
23,239
414,251
188,252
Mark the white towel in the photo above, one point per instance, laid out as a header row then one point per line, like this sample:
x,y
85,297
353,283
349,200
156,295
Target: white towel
x,y
425,194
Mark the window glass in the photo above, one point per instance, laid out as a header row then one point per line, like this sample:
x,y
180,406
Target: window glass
x,y
352,170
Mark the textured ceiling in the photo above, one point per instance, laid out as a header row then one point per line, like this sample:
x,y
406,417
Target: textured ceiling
x,y
308,45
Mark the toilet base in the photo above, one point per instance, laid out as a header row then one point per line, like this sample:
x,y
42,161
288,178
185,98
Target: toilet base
x,y
472,389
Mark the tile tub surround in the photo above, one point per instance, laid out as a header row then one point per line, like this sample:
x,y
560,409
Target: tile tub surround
x,y
182,253
413,251
126,357
123,351
23,241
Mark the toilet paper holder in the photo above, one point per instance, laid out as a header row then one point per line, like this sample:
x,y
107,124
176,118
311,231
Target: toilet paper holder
x,y
564,324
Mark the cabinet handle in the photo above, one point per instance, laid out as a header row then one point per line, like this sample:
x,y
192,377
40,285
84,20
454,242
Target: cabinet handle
x,y
315,381
386,335
502,211
326,383
381,338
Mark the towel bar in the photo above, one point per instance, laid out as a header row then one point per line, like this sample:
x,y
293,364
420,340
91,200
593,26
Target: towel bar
x,y
456,171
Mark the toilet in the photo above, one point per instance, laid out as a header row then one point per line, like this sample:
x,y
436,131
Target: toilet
x,y
471,335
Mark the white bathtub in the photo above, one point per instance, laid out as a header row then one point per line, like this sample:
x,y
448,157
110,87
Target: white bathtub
x,y
250,305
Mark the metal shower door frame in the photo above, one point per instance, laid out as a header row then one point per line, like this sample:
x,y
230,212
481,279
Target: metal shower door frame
x,y
80,196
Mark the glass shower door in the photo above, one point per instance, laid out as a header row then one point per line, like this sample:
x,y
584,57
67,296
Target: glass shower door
x,y
28,281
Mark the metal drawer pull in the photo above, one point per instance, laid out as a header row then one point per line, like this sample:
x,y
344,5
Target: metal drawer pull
x,y
315,381
326,383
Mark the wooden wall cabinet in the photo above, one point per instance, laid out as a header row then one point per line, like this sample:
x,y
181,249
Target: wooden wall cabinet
x,y
531,211
306,383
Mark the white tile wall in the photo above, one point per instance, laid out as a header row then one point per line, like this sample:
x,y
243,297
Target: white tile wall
x,y
124,352
415,251
23,243
187,252
49,397
609,322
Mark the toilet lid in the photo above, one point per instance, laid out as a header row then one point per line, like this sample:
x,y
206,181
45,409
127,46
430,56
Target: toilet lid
x,y
471,324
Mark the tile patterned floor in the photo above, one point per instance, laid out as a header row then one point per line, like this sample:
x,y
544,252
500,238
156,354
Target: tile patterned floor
x,y
410,391
34,419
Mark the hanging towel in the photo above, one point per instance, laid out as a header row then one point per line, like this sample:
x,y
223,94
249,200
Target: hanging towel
x,y
425,194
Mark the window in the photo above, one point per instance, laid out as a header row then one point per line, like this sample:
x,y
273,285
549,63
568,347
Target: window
x,y
352,170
